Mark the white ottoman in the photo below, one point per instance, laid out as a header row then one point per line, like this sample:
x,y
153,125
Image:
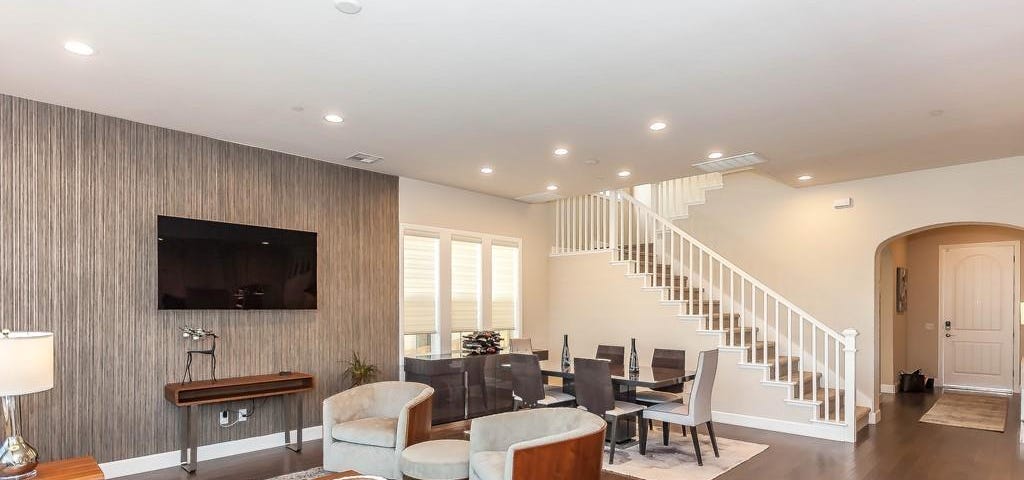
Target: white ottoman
x,y
436,460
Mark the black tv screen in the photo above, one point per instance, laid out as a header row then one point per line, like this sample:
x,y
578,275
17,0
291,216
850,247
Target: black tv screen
x,y
207,265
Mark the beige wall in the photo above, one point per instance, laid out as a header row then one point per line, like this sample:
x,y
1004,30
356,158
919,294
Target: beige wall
x,y
430,204
892,325
595,303
923,323
824,259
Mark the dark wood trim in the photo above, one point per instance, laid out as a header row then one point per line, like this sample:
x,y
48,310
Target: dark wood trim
x,y
207,392
420,419
576,459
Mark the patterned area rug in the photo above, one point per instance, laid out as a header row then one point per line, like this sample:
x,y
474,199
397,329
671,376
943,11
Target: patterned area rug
x,y
304,475
674,462
677,461
977,411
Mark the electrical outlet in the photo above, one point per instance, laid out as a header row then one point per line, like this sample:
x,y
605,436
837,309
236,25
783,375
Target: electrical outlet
x,y
224,417
243,414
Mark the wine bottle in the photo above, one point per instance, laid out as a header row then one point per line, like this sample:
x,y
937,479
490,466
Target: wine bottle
x,y
565,352
634,361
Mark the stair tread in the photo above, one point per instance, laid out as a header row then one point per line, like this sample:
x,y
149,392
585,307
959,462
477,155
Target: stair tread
x,y
860,413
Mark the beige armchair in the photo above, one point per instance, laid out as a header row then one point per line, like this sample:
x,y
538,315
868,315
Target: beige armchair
x,y
549,444
367,427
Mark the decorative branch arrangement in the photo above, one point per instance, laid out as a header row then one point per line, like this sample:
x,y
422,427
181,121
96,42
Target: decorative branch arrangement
x,y
486,342
197,335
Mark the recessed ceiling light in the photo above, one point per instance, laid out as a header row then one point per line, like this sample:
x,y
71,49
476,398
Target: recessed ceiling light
x,y
624,173
804,178
350,7
658,126
487,170
591,161
714,155
552,188
265,243
333,118
78,48
561,151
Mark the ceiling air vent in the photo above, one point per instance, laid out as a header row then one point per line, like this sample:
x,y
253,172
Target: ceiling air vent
x,y
365,158
541,197
728,164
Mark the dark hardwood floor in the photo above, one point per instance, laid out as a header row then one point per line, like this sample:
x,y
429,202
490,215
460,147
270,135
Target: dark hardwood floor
x,y
899,447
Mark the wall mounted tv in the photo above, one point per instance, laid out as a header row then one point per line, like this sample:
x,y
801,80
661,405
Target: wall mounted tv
x,y
207,265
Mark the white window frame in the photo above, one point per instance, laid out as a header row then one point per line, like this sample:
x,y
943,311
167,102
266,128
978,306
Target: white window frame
x,y
441,341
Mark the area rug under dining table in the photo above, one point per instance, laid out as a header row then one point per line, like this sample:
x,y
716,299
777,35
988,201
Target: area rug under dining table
x,y
676,461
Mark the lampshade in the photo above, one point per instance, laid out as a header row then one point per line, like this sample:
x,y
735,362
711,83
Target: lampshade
x,y
27,362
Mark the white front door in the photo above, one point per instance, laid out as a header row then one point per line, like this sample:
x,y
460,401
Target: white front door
x,y
977,317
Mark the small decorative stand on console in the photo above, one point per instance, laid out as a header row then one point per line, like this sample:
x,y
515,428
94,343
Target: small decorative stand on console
x,y
189,396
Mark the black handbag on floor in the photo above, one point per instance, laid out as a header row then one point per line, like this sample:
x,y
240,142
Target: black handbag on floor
x,y
912,382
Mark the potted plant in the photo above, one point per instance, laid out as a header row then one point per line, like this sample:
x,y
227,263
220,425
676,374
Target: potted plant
x,y
360,372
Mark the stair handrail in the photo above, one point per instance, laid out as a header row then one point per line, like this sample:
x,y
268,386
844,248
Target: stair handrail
x,y
742,273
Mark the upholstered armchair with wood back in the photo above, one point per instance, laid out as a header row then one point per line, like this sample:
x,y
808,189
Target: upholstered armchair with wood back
x,y
367,427
549,444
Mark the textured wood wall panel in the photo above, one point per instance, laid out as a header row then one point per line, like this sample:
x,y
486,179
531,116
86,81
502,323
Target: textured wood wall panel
x,y
79,198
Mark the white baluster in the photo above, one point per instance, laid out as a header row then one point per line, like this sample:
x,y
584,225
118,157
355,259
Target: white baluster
x,y
824,374
814,363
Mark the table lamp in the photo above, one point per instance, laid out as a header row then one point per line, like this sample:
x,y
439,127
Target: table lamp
x,y
27,358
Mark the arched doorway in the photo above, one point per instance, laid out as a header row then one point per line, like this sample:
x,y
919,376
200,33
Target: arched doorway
x,y
912,331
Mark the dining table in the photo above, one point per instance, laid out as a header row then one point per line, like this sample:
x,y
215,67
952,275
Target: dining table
x,y
625,384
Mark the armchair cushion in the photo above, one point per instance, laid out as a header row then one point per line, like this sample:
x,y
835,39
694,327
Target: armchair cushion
x,y
488,465
372,431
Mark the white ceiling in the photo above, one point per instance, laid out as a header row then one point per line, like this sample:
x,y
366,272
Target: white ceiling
x,y
839,90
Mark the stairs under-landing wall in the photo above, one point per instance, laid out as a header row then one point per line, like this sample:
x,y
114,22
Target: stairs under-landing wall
x,y
812,365
804,389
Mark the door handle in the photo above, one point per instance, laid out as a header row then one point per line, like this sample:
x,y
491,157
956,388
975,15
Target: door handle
x,y
949,335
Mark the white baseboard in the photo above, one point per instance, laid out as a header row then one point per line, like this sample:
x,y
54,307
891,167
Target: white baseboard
x,y
874,417
888,388
819,430
148,463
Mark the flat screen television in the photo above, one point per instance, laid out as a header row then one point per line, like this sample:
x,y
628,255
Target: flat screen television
x,y
207,265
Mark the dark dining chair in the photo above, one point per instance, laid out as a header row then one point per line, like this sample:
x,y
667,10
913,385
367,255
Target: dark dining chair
x,y
663,358
696,410
613,353
528,389
594,393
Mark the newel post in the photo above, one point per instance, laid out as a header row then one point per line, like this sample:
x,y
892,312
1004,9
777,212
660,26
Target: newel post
x,y
850,396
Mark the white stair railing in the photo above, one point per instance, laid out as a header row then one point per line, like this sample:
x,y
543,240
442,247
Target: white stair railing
x,y
672,198
771,331
582,224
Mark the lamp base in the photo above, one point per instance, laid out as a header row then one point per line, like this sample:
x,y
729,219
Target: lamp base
x,y
24,476
18,460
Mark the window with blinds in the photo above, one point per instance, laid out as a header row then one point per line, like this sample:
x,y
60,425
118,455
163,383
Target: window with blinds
x,y
421,261
504,286
466,264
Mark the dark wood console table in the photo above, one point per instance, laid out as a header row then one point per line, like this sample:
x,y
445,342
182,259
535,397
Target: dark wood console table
x,y
189,396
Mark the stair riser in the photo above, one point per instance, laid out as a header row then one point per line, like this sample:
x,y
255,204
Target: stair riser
x,y
704,307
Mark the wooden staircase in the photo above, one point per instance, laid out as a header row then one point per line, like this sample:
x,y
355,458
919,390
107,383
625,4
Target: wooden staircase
x,y
814,363
804,389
